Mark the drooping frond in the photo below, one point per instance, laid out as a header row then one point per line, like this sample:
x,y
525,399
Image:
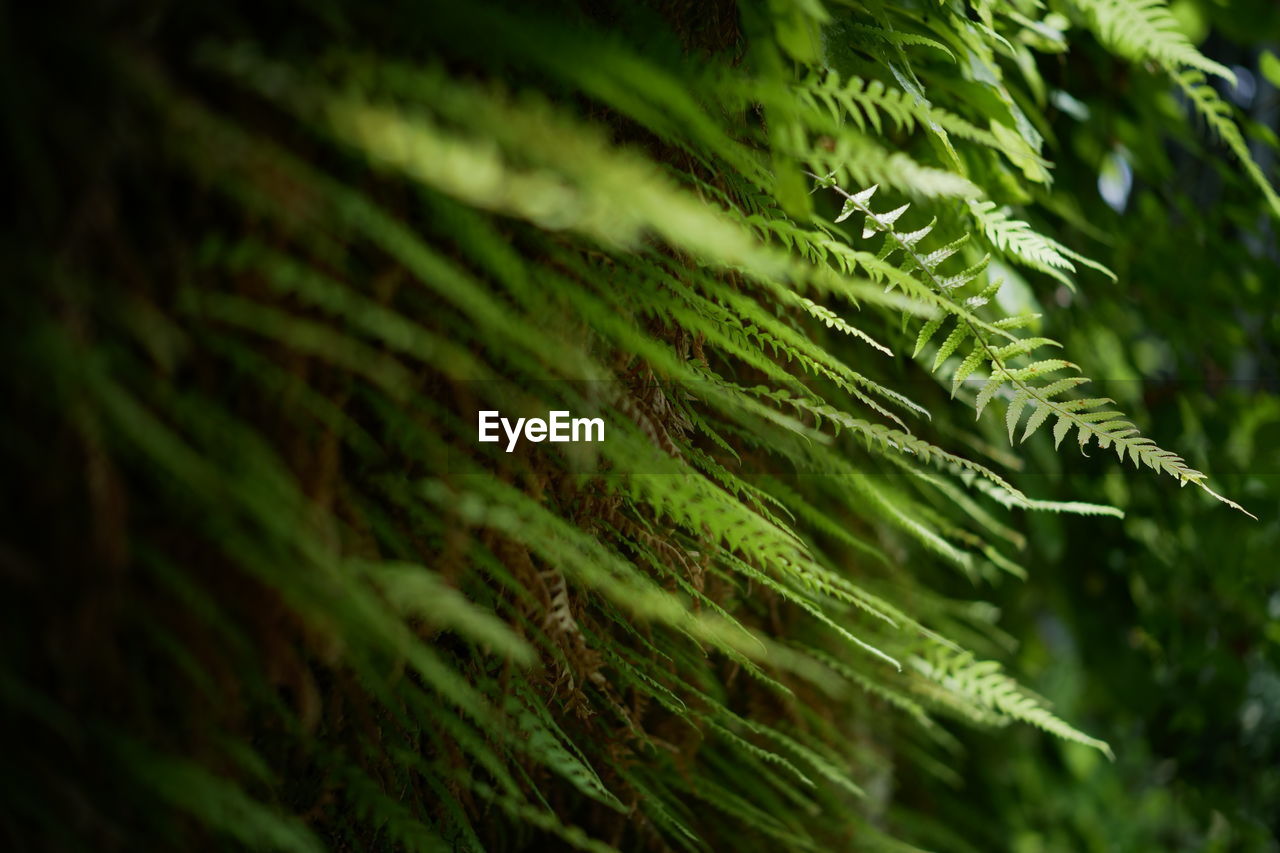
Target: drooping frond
x,y
1141,30
1219,116
1145,30
992,692
1024,245
1013,365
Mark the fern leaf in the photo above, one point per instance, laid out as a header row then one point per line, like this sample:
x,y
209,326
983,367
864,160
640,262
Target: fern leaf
x,y
1145,29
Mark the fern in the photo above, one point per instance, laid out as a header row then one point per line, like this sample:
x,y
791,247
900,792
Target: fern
x,y
982,683
1140,30
1145,30
1023,244
1218,115
1090,417
303,263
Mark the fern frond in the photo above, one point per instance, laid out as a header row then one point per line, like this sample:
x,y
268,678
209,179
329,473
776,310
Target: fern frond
x,y
990,690
1219,115
1024,245
1141,30
1091,418
868,102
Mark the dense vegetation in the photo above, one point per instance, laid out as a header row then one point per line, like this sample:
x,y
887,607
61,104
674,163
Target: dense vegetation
x,y
856,567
